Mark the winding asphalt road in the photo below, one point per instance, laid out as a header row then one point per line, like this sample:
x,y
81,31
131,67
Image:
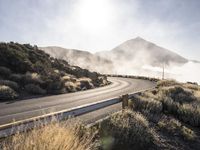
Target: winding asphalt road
x,y
25,109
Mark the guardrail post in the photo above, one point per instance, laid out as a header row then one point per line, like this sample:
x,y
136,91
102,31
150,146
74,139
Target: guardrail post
x,y
124,99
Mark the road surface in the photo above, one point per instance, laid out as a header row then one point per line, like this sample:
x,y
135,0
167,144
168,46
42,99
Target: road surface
x,y
24,109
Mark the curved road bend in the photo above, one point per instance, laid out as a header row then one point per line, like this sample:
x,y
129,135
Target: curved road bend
x,y
25,109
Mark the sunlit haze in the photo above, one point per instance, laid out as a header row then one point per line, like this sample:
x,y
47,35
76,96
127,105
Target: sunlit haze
x,y
96,25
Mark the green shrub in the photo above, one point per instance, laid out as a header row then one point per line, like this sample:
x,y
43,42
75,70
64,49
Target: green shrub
x,y
16,77
141,104
125,130
11,84
4,72
54,84
31,78
34,89
56,87
7,93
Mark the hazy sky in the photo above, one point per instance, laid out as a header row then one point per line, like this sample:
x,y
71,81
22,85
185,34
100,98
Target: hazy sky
x,y
96,25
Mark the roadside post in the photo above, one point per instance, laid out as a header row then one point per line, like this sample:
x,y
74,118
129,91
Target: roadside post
x,y
124,100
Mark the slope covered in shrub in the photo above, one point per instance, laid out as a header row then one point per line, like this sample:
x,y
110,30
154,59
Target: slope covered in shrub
x,y
26,70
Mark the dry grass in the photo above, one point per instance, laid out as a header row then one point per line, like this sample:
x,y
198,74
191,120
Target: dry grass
x,y
55,136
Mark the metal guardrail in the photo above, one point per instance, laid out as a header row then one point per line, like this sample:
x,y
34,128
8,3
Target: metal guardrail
x,y
27,124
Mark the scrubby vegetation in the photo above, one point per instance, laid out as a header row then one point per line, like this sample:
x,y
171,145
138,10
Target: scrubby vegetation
x,y
173,110
166,117
56,136
7,93
25,70
126,130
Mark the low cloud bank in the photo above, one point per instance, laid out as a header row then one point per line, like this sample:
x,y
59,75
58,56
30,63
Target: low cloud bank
x,y
187,72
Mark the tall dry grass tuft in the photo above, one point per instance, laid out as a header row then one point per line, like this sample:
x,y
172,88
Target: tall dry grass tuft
x,y
55,136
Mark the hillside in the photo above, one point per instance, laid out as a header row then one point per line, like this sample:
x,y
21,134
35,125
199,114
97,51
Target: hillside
x,y
80,58
27,71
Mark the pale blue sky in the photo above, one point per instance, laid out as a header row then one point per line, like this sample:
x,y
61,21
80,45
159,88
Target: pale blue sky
x,y
96,25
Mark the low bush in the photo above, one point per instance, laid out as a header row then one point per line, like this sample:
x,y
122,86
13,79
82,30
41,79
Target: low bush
x,y
192,86
166,83
11,84
7,93
56,87
189,114
31,78
175,128
16,77
142,104
85,83
169,106
4,72
178,94
125,130
71,86
34,89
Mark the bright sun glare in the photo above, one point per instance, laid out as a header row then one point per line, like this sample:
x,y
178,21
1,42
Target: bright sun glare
x,y
94,15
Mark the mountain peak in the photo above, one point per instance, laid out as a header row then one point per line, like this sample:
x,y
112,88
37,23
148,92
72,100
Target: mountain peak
x,y
138,39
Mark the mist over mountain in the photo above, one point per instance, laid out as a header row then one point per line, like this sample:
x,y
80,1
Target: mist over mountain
x,y
80,58
133,57
147,52
140,57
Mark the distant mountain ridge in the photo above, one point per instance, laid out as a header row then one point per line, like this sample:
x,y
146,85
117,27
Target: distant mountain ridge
x,y
132,55
80,58
147,52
